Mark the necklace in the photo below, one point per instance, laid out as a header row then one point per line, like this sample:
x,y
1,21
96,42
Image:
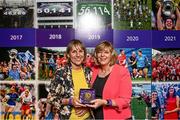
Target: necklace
x,y
104,72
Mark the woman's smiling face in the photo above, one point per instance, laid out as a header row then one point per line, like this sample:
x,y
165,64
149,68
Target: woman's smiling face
x,y
104,56
76,56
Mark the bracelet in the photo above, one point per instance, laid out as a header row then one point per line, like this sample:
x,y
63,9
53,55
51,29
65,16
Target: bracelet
x,y
109,102
70,101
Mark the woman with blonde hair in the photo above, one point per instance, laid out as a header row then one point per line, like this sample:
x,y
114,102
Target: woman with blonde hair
x,y
112,84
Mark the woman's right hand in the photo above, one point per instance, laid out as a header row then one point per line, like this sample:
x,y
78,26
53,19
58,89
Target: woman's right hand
x,y
81,111
76,103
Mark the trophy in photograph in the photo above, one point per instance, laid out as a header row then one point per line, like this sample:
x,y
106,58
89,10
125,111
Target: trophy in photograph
x,y
168,7
13,54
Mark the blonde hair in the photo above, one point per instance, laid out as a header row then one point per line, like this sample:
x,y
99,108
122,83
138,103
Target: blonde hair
x,y
75,43
101,47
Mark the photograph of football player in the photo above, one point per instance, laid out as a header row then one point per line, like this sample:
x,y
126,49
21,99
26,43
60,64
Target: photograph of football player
x,y
137,60
10,100
26,101
17,64
17,101
166,14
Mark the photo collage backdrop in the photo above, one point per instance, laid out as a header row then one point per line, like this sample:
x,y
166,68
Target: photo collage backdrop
x,y
34,35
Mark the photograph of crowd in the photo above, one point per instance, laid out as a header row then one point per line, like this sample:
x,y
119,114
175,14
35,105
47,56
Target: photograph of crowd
x,y
16,13
165,101
132,14
137,60
17,64
141,101
17,101
166,14
166,65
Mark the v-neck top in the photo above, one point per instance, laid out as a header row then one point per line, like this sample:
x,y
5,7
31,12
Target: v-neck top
x,y
98,86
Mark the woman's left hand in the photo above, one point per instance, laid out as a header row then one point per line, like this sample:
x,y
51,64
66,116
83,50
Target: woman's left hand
x,y
97,103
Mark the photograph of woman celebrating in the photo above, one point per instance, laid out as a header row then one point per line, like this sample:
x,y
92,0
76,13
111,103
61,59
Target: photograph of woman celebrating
x,y
112,84
171,104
